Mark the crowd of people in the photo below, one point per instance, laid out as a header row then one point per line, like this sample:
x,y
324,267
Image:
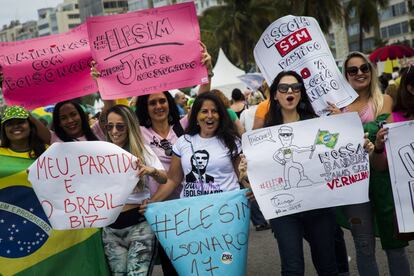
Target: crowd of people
x,y
188,148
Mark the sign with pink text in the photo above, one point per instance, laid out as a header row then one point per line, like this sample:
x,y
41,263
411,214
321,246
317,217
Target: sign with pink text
x,y
147,51
46,70
83,184
307,165
298,44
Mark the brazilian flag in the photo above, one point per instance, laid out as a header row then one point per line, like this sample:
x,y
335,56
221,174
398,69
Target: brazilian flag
x,y
28,244
326,138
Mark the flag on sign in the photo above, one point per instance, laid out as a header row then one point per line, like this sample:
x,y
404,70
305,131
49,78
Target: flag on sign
x,y
326,138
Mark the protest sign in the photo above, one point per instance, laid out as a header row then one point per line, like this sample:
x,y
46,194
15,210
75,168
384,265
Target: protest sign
x,y
308,165
147,51
298,44
252,80
204,235
400,156
46,70
83,184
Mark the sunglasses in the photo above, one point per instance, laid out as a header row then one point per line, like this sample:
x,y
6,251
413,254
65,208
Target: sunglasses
x,y
285,134
353,70
284,87
119,127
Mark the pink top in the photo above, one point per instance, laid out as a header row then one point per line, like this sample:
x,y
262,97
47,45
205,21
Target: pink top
x,y
399,117
366,114
162,147
96,129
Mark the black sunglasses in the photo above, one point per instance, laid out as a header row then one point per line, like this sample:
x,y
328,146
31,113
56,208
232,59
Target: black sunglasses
x,y
353,70
284,87
285,134
119,127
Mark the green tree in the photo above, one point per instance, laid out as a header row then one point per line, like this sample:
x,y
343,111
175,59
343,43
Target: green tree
x,y
236,26
366,13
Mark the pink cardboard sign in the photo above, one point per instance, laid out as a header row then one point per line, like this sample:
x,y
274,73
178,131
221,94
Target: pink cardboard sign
x,y
46,70
147,51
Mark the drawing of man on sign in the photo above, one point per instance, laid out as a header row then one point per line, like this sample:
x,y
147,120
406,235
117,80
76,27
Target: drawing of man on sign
x,y
284,156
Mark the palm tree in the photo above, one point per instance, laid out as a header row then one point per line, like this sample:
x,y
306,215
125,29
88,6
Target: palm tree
x,y
324,11
236,26
366,12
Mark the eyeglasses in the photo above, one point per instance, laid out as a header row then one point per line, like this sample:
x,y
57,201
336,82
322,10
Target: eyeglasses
x,y
119,127
285,134
284,87
353,70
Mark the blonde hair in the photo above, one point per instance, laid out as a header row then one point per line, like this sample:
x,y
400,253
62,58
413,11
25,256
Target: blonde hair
x,y
255,98
135,144
375,93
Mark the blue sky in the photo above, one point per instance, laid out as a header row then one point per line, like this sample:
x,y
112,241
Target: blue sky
x,y
22,10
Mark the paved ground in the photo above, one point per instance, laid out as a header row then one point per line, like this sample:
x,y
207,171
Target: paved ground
x,y
263,258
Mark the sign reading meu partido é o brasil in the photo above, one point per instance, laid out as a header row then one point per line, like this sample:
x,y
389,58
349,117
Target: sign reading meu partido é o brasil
x,y
147,51
83,184
45,70
298,44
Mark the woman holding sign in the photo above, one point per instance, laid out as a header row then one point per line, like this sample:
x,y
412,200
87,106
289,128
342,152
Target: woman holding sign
x,y
204,158
289,103
129,242
374,109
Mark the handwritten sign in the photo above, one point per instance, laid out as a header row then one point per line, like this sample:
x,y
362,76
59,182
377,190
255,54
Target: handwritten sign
x,y
308,165
46,70
400,156
147,51
83,184
204,235
298,44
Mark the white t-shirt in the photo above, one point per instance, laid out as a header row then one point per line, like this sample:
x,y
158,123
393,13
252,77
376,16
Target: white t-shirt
x,y
247,117
151,160
213,163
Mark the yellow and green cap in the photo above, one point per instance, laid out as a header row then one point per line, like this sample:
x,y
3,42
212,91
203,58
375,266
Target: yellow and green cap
x,y
14,112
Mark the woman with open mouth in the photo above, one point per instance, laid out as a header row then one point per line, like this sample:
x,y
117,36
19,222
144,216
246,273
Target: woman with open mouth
x,y
374,109
289,103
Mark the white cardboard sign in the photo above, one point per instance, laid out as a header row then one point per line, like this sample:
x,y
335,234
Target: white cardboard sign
x,y
400,157
308,165
298,44
83,184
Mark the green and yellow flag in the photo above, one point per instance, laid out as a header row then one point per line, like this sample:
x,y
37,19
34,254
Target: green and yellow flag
x,y
28,244
326,138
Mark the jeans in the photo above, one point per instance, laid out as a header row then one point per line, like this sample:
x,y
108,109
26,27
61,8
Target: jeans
x,y
360,217
131,250
256,215
318,226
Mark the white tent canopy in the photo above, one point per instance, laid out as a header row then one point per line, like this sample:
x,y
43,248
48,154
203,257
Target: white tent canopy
x,y
225,75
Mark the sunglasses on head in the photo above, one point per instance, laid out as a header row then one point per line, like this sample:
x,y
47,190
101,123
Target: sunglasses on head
x,y
353,70
284,87
119,127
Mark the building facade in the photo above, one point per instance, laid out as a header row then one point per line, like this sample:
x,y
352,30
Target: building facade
x,y
201,5
88,8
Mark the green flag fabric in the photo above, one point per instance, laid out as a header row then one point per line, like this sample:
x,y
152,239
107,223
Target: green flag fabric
x,y
28,244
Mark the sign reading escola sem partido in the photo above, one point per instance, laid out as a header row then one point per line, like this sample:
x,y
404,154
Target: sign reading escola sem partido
x,y
83,184
147,51
298,44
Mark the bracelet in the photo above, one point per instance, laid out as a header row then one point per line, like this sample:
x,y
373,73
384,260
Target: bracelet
x,y
378,151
